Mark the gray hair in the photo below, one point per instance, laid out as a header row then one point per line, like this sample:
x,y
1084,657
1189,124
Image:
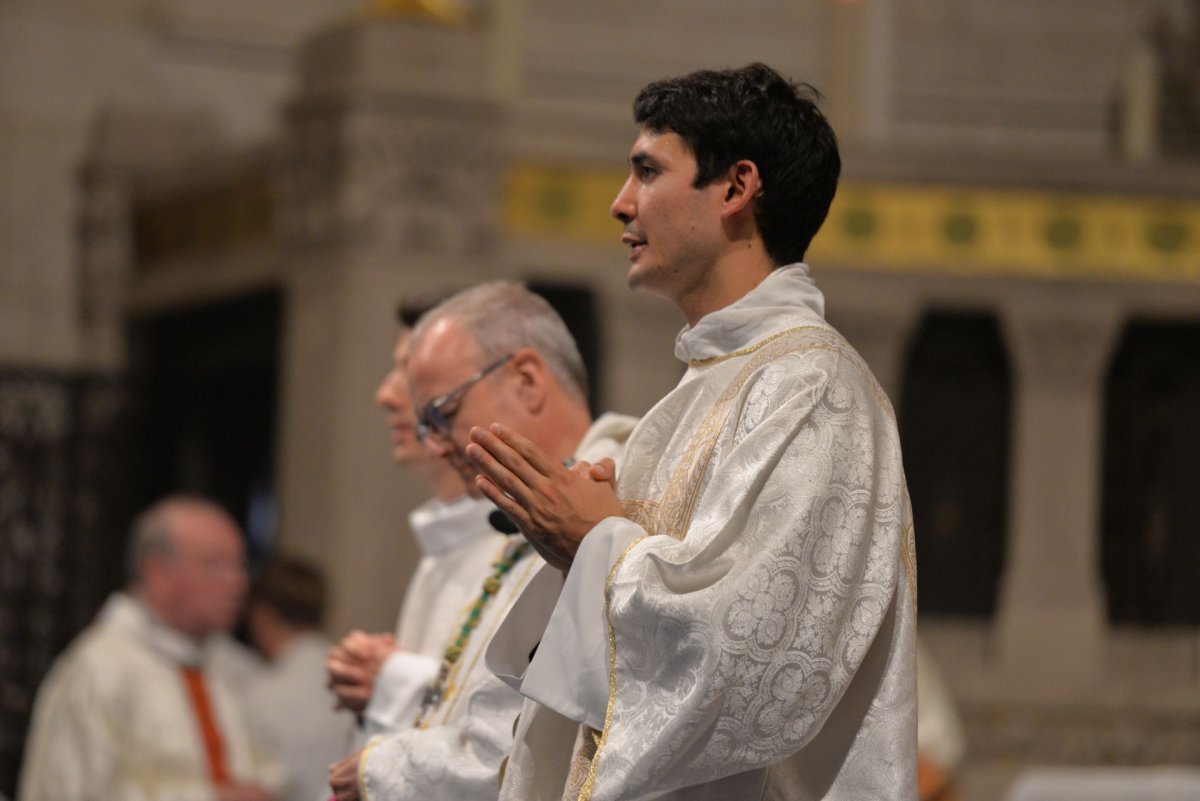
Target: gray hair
x,y
503,317
151,533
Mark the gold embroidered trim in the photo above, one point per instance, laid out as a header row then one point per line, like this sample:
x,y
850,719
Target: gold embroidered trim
x,y
683,491
908,550
642,512
362,766
751,348
585,792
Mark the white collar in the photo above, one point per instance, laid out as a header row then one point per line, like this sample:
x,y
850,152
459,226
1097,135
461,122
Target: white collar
x,y
134,616
785,298
440,526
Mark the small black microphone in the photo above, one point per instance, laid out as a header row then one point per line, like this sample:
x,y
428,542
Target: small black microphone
x,y
502,522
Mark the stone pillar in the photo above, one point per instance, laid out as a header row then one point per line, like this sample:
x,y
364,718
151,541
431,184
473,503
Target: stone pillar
x,y
1051,616
860,62
394,157
881,336
877,314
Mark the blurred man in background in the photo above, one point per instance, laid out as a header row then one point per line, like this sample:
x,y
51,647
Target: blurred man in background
x,y
287,704
136,707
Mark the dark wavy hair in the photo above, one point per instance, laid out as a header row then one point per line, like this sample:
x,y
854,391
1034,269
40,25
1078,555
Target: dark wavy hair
x,y
754,113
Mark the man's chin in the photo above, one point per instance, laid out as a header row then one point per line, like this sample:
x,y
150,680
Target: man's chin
x,y
468,473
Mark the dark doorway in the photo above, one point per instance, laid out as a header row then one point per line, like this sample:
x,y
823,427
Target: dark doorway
x,y
954,428
206,380
1151,505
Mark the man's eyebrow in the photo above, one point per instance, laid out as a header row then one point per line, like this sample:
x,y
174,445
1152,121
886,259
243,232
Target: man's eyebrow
x,y
641,158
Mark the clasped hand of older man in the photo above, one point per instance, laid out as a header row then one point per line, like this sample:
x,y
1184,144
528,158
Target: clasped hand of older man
x,y
353,665
554,506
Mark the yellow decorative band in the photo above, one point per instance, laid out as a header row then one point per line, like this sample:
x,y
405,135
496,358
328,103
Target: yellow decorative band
x,y
912,228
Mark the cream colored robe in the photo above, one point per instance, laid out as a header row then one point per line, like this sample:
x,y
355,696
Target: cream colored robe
x,y
457,753
113,720
457,547
749,631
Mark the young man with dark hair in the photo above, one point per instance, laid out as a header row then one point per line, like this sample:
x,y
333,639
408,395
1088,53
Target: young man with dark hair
x,y
738,616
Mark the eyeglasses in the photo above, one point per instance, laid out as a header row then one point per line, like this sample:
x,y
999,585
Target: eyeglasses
x,y
435,420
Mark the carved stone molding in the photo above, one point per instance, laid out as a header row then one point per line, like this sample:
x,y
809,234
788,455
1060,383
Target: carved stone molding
x,y
1081,735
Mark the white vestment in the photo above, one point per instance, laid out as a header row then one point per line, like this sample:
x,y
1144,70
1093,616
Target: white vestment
x,y
457,548
114,721
456,753
748,631
289,709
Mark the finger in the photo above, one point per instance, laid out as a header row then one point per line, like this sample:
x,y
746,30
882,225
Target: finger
x,y
532,454
504,503
358,648
517,487
347,675
604,470
516,453
353,633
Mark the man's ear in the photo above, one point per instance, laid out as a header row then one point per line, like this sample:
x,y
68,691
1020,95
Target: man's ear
x,y
744,185
533,376
155,578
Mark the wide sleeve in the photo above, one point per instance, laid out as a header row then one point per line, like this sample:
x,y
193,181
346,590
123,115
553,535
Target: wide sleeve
x,y
459,760
738,630
398,690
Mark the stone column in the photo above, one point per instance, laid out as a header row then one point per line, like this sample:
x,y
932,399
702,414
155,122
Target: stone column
x,y
394,156
877,314
881,336
1051,616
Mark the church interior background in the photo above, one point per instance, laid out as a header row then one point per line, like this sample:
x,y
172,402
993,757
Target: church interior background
x,y
208,209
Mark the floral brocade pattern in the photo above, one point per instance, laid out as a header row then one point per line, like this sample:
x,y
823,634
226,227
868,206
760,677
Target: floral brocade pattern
x,y
779,612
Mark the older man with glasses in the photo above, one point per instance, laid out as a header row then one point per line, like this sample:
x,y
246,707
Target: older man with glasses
x,y
383,676
496,354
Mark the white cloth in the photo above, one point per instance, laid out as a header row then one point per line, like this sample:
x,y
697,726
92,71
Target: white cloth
x,y
456,754
290,711
457,546
114,721
940,736
757,604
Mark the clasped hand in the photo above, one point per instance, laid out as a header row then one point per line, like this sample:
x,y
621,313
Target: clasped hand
x,y
352,666
554,506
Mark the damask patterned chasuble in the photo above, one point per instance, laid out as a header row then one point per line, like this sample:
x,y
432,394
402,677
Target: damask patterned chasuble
x,y
761,615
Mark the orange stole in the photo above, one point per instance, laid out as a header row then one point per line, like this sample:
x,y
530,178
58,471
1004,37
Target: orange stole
x,y
214,747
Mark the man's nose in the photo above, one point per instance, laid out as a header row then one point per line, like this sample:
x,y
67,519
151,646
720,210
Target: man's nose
x,y
622,206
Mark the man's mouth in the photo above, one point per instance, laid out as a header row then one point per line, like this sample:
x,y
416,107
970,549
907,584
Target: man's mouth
x,y
636,245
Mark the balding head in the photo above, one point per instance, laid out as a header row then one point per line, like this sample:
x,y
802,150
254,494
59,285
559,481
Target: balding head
x,y
185,561
502,317
497,353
